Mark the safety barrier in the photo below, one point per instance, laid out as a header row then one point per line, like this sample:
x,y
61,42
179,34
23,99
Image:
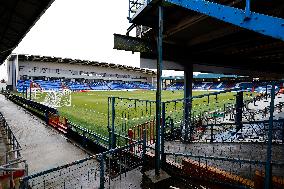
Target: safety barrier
x,y
14,166
86,137
116,163
10,137
98,171
127,117
128,113
76,174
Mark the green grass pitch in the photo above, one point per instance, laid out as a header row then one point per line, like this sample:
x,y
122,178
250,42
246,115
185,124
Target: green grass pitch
x,y
90,109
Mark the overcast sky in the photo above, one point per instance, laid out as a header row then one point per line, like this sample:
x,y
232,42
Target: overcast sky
x,y
80,29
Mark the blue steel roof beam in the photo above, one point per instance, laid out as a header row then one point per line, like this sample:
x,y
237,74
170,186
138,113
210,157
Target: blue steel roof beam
x,y
264,24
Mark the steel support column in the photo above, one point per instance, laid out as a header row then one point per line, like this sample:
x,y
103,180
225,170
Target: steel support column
x,y
102,172
113,142
188,77
239,109
30,92
268,175
163,157
266,91
159,91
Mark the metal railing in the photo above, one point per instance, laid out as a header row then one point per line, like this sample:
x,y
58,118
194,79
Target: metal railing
x,y
76,174
125,114
116,163
98,171
14,165
14,146
86,135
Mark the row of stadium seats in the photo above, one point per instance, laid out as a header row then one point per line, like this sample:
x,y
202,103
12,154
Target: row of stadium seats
x,y
77,86
255,86
23,84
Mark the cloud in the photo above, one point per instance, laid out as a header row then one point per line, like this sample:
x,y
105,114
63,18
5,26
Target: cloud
x,y
80,29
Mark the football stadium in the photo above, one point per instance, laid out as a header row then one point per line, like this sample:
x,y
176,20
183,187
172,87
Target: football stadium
x,y
72,123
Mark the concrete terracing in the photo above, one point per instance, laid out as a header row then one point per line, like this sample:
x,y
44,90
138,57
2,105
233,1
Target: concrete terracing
x,y
42,147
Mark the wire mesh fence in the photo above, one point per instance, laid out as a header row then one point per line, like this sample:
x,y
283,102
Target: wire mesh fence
x,y
127,118
104,170
119,164
79,174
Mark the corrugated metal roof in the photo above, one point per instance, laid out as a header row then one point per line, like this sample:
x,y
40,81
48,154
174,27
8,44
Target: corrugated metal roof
x,y
49,59
17,17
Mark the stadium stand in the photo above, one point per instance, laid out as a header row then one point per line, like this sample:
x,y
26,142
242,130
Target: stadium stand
x,y
53,72
80,86
259,87
56,85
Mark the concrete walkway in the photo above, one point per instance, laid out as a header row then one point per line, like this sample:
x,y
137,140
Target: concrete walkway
x,y
42,147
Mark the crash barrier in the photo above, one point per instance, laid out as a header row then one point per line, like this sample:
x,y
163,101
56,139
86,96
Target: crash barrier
x,y
13,167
